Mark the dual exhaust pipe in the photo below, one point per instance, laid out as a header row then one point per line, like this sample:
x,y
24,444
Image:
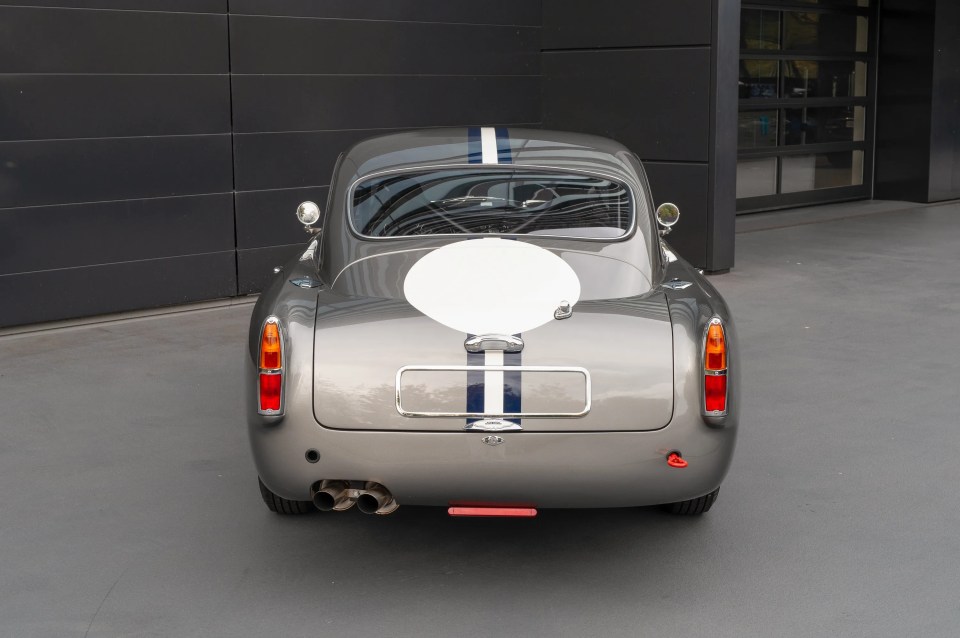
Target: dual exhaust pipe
x,y
338,496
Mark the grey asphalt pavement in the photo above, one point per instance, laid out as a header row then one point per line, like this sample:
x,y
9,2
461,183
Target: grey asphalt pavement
x,y
129,503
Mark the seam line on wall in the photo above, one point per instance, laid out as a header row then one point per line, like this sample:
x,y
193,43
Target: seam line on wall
x,y
391,75
115,201
331,19
112,137
117,263
385,128
662,47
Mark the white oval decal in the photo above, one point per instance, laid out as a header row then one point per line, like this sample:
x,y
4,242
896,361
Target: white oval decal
x,y
491,286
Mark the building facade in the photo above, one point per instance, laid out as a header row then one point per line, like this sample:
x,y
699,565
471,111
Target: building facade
x,y
152,152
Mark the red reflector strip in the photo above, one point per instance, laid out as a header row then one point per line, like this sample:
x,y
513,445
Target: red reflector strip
x,y
516,512
715,393
270,391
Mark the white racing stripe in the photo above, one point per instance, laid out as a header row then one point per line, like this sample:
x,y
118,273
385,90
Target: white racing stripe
x,y
493,383
488,145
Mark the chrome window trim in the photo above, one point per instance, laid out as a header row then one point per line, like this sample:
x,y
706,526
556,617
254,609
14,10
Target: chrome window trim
x,y
627,234
708,373
588,392
283,361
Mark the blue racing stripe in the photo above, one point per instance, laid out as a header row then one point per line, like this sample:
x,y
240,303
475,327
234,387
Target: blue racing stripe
x,y
475,380
504,155
511,384
474,151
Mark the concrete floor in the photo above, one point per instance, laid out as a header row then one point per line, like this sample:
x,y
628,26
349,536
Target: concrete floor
x,y
129,504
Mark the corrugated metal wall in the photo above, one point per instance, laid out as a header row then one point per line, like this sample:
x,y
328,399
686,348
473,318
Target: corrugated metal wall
x,y
116,176
311,78
155,155
659,76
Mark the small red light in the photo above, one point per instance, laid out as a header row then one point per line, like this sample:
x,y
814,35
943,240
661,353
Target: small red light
x,y
675,460
270,391
715,393
517,512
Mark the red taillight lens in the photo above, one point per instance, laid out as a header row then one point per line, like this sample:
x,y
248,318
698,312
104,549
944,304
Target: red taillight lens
x,y
270,381
715,370
270,357
715,393
270,391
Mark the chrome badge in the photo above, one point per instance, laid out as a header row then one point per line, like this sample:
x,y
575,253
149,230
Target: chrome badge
x,y
492,439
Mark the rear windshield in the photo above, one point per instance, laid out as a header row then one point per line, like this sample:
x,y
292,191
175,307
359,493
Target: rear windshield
x,y
460,201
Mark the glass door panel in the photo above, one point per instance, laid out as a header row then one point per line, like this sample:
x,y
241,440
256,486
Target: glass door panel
x,y
804,131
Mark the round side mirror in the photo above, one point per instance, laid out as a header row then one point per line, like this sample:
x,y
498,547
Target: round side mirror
x,y
667,214
308,213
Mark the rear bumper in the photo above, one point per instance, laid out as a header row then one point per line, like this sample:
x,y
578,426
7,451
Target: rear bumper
x,y
541,469
602,469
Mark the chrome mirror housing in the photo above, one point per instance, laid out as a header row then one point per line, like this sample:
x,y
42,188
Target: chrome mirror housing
x,y
667,216
309,214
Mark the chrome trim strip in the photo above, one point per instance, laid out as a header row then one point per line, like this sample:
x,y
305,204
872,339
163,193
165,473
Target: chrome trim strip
x,y
283,361
493,425
588,392
481,343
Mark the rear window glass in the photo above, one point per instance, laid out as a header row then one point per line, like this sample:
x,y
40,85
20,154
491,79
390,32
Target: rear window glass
x,y
453,202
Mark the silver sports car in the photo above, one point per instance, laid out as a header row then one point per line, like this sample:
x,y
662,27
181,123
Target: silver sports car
x,y
489,320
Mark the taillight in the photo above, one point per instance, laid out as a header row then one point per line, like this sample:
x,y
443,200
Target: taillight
x,y
270,379
714,370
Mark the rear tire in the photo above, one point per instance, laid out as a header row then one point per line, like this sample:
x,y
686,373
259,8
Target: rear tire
x,y
283,506
695,506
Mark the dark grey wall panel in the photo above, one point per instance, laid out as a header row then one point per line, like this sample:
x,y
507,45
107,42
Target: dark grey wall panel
x,y
287,160
656,101
64,171
255,266
107,232
309,85
574,24
354,102
945,105
119,119
193,6
687,186
95,41
721,211
905,60
76,292
290,45
65,106
518,12
267,218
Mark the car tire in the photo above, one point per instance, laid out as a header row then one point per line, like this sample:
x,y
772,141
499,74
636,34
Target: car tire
x,y
695,506
283,506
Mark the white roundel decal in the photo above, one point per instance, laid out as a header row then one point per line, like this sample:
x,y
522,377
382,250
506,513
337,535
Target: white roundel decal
x,y
491,286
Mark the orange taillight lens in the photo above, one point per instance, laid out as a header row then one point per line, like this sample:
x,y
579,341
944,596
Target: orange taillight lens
x,y
715,352
270,357
715,370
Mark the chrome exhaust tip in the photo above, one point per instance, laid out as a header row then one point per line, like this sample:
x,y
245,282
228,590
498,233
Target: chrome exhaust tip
x,y
376,499
332,495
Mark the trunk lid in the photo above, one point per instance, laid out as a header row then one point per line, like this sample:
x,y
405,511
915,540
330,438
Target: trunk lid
x,y
625,347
